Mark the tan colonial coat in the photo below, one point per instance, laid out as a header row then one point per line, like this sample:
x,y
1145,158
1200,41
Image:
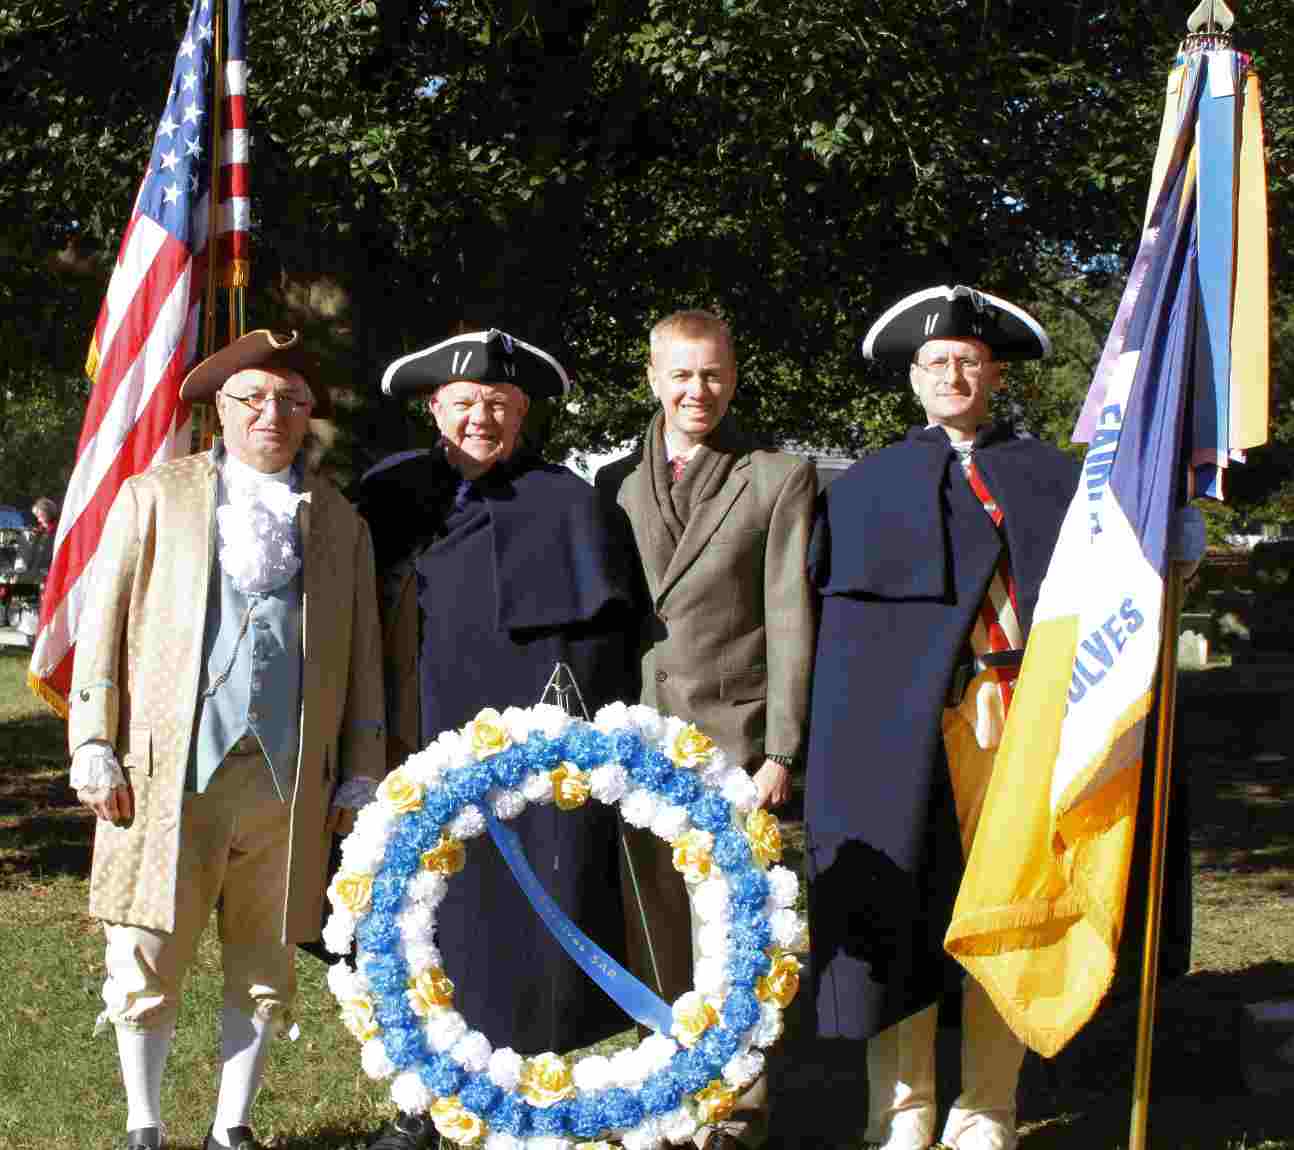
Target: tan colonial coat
x,y
135,681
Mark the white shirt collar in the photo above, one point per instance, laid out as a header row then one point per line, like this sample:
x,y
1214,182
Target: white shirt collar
x,y
673,452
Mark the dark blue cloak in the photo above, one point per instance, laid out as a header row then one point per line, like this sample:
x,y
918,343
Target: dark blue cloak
x,y
517,571
902,555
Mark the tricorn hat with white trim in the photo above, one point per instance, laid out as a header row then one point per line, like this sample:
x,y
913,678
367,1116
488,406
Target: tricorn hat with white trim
x,y
481,356
264,349
955,313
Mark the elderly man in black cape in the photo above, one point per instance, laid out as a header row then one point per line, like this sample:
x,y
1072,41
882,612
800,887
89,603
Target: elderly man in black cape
x,y
928,556
493,567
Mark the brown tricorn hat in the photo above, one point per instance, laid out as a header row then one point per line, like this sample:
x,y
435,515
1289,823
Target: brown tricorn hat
x,y
264,349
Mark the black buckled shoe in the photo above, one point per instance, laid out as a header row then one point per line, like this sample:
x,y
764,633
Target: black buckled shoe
x,y
407,1132
145,1138
240,1138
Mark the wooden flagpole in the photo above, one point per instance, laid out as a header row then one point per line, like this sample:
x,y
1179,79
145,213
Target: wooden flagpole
x,y
204,423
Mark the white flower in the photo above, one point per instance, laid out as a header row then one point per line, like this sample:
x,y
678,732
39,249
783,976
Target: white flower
x,y
444,1029
611,718
548,1142
455,748
648,722
505,1068
739,789
498,1140
609,782
656,1050
716,768
711,979
783,887
550,720
669,822
415,923
343,982
710,900
409,1093
426,888
472,1052
742,1069
671,727
769,1027
427,766
468,823
712,940
678,1125
627,1069
538,787
645,1136
518,722
372,1057
639,807
420,956
789,930
592,1073
363,848
338,932
506,804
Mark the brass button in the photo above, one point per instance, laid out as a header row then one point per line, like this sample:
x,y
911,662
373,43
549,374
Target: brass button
x,y
85,696
661,676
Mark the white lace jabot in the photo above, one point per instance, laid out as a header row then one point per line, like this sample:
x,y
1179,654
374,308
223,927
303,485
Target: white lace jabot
x,y
256,526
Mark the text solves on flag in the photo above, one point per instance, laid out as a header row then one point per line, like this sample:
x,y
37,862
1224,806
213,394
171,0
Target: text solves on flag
x,y
1100,461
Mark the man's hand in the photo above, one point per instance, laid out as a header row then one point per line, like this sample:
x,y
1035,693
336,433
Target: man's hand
x,y
773,782
115,805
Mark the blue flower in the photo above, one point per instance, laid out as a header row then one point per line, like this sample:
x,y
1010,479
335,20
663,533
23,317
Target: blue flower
x,y
586,747
554,1119
749,932
626,748
377,931
661,1093
480,1095
394,1013
511,1116
652,770
731,850
711,813
691,1069
442,1075
746,966
748,890
388,890
683,789
440,805
469,784
741,1009
588,1117
404,1046
402,855
622,1108
509,768
717,1045
385,972
541,754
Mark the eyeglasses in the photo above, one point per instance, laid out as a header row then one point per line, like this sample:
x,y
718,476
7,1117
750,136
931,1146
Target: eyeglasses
x,y
970,366
258,401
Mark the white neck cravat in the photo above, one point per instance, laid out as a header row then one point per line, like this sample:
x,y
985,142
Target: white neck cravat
x,y
256,525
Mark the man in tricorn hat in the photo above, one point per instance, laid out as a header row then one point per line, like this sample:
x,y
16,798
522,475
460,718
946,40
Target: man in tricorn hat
x,y
928,556
217,728
495,567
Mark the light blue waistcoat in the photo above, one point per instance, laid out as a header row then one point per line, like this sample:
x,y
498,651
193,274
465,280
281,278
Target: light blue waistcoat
x,y
261,692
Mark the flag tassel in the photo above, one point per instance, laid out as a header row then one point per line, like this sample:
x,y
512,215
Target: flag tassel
x,y
1158,838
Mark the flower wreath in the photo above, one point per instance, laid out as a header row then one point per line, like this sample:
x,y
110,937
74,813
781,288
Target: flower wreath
x,y
398,1003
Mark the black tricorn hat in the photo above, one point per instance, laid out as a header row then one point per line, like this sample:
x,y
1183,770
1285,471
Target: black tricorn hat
x,y
484,356
260,348
955,313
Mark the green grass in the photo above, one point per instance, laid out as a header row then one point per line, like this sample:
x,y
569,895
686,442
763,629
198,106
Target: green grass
x,y
60,1089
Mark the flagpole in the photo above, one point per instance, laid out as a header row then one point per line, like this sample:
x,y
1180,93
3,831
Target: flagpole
x,y
1158,836
213,186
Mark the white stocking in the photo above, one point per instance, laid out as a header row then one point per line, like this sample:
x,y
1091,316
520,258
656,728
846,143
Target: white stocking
x,y
244,1043
143,1059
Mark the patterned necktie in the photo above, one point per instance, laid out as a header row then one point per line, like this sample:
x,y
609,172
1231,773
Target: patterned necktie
x,y
997,627
677,466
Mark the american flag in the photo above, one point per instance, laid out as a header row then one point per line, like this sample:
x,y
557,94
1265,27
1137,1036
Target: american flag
x,y
145,339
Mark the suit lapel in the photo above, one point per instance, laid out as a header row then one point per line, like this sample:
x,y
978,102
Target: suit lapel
x,y
313,582
654,543
706,517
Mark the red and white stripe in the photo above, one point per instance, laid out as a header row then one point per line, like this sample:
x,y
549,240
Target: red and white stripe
x,y
234,204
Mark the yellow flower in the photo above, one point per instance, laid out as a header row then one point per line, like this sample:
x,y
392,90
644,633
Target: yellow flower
x,y
487,734
691,748
715,1103
693,1016
456,1123
400,792
546,1080
765,834
357,1017
781,982
430,992
354,891
599,1145
692,855
571,787
446,857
